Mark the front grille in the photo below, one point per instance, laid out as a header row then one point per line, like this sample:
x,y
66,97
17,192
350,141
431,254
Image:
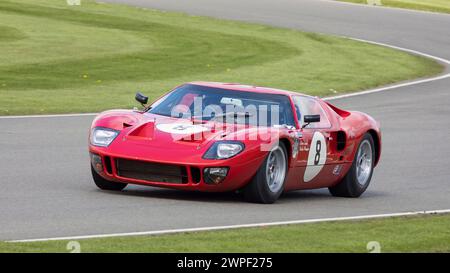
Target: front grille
x,y
154,172
196,175
108,165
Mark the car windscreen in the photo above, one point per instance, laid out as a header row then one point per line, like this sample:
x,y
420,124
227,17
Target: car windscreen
x,y
208,103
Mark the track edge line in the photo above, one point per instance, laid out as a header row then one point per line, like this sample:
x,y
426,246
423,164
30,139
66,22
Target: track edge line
x,y
229,227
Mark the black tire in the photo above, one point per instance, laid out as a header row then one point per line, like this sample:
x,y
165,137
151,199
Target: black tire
x,y
257,191
349,186
105,184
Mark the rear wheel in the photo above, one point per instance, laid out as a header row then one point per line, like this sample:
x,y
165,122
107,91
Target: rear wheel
x,y
105,184
358,177
268,183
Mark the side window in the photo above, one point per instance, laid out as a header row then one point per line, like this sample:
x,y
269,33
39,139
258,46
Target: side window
x,y
309,106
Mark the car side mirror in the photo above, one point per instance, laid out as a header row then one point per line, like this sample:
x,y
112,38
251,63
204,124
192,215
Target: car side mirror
x,y
307,119
141,98
311,118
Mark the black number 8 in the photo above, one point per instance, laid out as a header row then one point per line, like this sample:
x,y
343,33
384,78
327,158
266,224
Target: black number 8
x,y
318,148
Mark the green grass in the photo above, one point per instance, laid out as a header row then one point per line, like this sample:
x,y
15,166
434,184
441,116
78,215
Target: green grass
x,y
63,59
425,5
400,234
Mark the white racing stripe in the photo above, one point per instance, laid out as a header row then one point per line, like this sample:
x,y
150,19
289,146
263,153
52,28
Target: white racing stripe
x,y
171,231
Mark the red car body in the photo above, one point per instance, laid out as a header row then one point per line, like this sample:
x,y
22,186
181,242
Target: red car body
x,y
141,142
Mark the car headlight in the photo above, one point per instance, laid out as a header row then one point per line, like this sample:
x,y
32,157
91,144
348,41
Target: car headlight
x,y
224,150
103,136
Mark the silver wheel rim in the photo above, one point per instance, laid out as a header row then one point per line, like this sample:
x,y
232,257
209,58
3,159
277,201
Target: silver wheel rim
x,y
275,169
364,163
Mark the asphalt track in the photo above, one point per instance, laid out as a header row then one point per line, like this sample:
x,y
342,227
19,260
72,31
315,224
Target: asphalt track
x,y
46,188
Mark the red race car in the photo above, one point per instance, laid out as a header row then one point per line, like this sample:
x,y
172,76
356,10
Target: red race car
x,y
220,137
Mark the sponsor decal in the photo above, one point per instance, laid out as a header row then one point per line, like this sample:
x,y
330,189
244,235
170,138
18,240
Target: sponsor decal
x,y
295,147
337,170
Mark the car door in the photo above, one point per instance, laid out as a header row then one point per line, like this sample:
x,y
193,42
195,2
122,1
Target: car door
x,y
314,151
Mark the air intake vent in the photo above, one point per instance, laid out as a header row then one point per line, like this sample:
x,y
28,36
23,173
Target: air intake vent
x,y
341,140
196,174
108,165
152,172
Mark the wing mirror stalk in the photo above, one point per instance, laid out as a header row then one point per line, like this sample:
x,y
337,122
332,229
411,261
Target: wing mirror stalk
x,y
308,119
142,99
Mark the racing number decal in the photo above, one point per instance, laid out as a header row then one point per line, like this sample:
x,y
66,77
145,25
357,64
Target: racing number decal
x,y
317,156
318,149
181,128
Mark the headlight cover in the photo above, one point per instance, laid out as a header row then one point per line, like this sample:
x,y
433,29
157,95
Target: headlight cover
x,y
224,150
103,136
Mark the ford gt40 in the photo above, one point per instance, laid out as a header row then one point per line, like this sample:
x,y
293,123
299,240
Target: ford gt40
x,y
218,137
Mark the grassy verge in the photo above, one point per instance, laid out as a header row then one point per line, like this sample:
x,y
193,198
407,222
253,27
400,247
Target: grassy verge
x,y
401,234
442,6
61,59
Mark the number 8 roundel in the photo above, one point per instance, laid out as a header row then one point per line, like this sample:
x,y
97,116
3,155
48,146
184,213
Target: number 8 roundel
x,y
317,156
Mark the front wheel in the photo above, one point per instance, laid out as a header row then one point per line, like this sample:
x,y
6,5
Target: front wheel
x,y
358,177
105,184
268,183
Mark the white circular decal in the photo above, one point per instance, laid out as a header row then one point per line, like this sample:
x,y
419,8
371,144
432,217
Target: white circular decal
x,y
317,156
181,128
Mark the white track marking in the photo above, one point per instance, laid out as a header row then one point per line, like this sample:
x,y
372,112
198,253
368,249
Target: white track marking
x,y
370,91
409,83
49,116
406,10
415,52
387,88
171,231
